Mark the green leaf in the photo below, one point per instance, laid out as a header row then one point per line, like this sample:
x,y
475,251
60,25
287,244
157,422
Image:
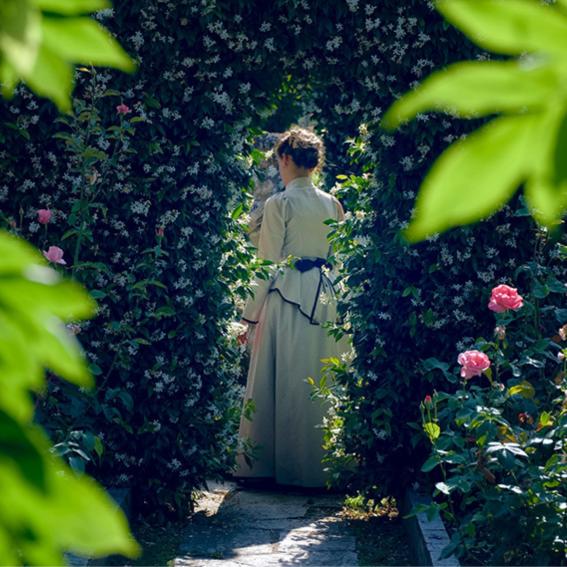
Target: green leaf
x,y
95,369
411,290
477,88
64,299
237,213
98,447
82,40
433,431
71,7
165,311
51,78
431,463
27,509
23,370
87,521
94,153
524,389
32,305
560,153
9,80
546,189
143,284
433,363
7,552
511,27
545,420
19,446
547,202
112,92
474,177
17,254
20,34
98,294
540,290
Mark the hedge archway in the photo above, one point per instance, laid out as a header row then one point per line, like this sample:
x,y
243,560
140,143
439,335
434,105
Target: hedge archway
x,y
142,181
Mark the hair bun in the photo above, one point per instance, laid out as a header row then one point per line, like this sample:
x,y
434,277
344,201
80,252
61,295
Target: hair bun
x,y
303,145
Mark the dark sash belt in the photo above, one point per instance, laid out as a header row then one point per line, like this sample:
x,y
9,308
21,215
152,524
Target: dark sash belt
x,y
306,264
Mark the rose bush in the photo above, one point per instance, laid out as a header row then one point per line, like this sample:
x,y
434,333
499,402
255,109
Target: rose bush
x,y
498,441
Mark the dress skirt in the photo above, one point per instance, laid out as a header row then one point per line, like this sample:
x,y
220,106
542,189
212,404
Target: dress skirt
x,y
286,425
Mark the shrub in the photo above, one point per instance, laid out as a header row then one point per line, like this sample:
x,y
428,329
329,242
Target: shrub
x,y
498,440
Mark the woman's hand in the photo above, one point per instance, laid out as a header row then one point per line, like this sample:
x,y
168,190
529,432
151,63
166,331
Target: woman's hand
x,y
243,337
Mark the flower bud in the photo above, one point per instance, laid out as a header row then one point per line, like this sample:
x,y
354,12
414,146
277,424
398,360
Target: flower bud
x,y
44,216
500,332
123,109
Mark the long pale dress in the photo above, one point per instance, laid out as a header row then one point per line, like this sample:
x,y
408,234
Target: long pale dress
x,y
290,341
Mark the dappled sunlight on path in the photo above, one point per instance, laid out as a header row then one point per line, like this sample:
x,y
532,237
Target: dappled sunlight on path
x,y
268,527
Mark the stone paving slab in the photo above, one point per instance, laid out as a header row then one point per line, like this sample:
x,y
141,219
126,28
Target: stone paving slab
x,y
253,528
331,525
318,559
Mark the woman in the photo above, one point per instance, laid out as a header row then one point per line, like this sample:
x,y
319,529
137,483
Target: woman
x,y
288,312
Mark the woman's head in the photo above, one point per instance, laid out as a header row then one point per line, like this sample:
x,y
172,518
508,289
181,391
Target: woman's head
x,y
300,152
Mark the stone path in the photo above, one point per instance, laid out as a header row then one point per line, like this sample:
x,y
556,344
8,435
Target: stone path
x,y
262,528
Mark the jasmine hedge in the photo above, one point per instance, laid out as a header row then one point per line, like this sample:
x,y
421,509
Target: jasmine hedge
x,y
145,179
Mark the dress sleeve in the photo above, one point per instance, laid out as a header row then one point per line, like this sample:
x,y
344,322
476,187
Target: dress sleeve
x,y
270,245
340,210
272,232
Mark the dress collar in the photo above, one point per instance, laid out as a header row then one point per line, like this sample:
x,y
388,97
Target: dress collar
x,y
300,183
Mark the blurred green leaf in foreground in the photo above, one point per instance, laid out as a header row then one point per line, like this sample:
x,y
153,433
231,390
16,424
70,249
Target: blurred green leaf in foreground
x,y
45,508
525,144
40,40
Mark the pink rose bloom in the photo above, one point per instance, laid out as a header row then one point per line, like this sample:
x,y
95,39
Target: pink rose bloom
x,y
504,298
123,109
44,216
473,363
54,255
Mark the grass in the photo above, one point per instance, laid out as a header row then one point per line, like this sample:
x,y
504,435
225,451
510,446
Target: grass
x,y
380,534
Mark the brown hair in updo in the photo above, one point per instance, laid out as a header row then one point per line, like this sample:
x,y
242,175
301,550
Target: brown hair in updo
x,y
303,145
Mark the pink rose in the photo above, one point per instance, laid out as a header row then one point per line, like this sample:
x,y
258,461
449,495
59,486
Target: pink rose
x,y
44,216
54,255
428,400
122,109
473,363
503,298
